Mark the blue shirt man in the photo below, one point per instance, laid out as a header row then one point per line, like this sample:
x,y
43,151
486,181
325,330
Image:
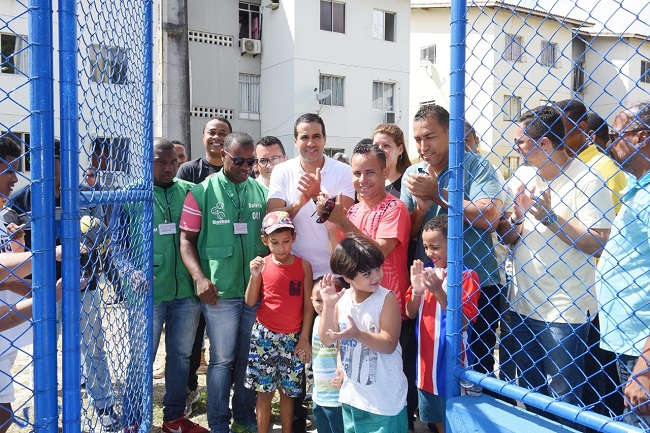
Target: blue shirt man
x,y
623,273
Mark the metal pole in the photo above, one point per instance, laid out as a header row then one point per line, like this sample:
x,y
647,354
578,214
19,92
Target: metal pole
x,y
148,204
456,154
42,188
70,236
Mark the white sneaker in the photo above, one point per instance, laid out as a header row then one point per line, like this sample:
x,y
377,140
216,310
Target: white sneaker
x,y
109,420
192,397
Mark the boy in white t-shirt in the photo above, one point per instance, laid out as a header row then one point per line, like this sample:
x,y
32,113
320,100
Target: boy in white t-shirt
x,y
366,320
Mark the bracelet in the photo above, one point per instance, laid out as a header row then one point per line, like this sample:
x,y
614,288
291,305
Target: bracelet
x,y
517,222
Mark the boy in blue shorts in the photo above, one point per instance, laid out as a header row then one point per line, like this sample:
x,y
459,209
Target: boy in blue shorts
x,y
426,300
280,338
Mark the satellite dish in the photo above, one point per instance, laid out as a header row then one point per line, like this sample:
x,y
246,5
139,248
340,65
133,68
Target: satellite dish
x,y
322,95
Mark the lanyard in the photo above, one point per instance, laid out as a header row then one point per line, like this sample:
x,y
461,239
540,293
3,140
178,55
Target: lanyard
x,y
162,209
232,198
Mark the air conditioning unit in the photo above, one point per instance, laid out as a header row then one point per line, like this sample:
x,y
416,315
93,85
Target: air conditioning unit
x,y
389,117
251,46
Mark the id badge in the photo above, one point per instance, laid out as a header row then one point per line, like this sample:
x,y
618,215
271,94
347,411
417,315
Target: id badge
x,y
167,228
241,228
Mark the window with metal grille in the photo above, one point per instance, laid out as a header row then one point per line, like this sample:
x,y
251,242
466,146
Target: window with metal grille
x,y
383,95
383,25
332,16
249,96
549,54
511,107
428,55
108,65
336,85
514,48
14,59
250,21
645,72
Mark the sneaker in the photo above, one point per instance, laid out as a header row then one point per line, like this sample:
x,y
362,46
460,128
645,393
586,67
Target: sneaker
x,y
238,428
192,397
108,420
159,373
182,425
203,366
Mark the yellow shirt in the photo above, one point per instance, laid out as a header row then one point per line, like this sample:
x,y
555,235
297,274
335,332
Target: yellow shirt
x,y
614,177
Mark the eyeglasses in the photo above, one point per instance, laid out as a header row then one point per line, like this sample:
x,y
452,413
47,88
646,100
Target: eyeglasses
x,y
329,207
90,174
615,135
238,160
275,160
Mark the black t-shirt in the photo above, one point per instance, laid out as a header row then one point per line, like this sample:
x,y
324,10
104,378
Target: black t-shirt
x,y
197,170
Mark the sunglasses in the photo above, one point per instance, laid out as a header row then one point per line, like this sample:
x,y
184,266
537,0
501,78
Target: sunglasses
x,y
237,160
613,136
329,207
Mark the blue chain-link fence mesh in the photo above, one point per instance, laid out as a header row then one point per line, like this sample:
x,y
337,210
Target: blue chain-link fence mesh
x,y
89,372
537,340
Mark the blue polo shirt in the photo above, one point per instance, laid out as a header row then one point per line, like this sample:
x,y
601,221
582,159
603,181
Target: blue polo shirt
x,y
623,274
480,182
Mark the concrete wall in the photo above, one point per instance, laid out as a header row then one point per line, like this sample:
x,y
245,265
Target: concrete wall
x,y
299,52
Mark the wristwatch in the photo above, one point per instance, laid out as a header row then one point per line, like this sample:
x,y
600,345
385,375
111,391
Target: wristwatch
x,y
551,218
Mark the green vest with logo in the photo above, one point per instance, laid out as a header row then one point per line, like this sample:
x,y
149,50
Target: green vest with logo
x,y
225,256
172,279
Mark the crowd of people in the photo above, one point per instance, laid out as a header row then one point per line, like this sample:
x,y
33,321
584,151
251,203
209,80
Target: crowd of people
x,y
314,263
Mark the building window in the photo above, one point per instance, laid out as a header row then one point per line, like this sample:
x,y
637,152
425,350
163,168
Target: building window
x,y
108,64
249,96
383,25
514,48
14,54
110,154
331,151
645,71
512,165
332,16
428,55
383,96
549,55
250,21
22,138
511,107
336,85
429,102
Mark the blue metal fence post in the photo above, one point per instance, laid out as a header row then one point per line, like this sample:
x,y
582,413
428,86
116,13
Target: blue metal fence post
x,y
456,153
148,207
42,187
68,77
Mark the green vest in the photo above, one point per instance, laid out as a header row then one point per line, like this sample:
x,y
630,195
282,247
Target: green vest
x,y
225,256
172,280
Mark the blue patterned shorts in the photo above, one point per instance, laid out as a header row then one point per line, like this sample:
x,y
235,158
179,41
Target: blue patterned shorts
x,y
271,362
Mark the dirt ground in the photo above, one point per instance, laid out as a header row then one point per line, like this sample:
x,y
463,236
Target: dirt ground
x,y
23,371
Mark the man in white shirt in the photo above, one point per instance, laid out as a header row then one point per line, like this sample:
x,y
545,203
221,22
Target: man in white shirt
x,y
562,217
269,152
296,184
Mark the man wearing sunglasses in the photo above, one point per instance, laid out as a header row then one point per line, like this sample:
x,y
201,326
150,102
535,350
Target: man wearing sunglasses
x,y
220,235
623,275
270,152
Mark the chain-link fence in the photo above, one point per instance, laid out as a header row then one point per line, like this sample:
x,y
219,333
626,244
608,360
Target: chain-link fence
x,y
540,85
81,361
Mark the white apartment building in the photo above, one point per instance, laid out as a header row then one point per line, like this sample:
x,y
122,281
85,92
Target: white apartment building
x,y
347,61
521,57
